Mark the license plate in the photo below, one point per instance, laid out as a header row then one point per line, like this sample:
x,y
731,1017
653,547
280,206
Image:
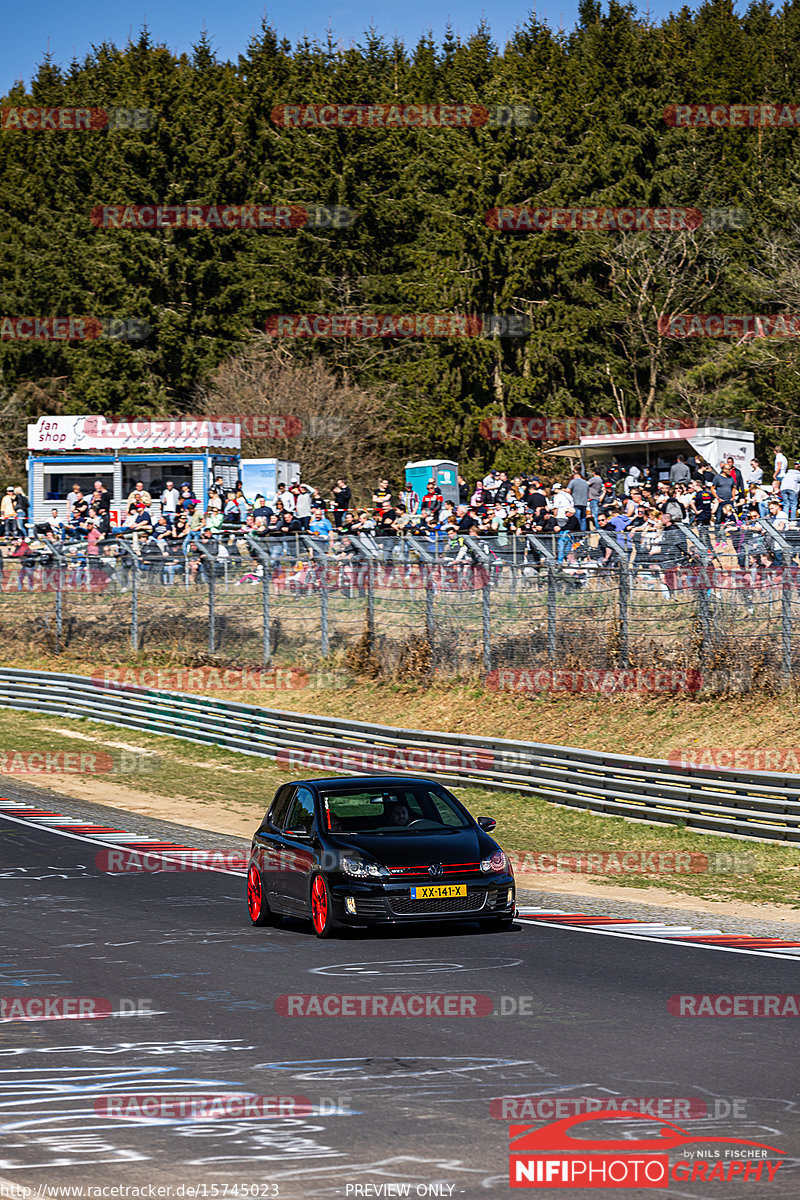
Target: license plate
x,y
439,891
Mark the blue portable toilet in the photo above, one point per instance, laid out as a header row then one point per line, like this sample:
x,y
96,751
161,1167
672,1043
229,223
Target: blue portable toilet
x,y
442,470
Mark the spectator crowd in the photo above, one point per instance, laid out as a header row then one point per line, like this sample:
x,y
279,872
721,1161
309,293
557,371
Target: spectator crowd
x,y
168,535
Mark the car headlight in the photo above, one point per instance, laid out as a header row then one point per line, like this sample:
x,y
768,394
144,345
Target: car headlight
x,y
496,863
360,869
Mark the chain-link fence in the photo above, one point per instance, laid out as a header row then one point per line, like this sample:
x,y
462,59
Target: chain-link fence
x,y
557,612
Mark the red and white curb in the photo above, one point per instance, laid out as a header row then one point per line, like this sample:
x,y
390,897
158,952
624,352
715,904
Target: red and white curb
x,y
684,935
105,835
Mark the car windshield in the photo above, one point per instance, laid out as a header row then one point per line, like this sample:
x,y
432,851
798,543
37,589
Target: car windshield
x,y
412,808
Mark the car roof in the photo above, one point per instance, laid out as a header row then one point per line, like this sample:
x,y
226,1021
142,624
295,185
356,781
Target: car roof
x,y
354,781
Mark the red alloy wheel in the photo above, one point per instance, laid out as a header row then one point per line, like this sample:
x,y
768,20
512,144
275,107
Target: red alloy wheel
x,y
256,905
321,914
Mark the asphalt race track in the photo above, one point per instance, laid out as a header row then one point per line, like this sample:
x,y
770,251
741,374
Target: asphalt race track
x,y
193,991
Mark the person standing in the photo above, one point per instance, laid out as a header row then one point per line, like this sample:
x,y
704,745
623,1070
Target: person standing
x,y
578,488
170,498
341,501
21,507
596,491
790,486
780,466
679,472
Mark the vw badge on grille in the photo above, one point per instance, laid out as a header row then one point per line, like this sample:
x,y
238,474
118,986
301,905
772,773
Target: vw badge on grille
x,y
435,870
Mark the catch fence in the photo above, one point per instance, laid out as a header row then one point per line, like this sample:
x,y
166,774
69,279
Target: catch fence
x,y
583,612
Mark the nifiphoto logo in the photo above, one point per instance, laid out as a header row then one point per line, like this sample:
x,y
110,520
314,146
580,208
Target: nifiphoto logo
x,y
561,1155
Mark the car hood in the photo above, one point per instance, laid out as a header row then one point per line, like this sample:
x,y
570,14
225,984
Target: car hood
x,y
412,849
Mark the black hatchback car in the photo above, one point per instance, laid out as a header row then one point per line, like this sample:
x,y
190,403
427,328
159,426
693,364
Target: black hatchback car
x,y
377,849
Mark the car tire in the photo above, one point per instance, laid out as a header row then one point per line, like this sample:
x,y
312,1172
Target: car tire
x,y
321,907
257,906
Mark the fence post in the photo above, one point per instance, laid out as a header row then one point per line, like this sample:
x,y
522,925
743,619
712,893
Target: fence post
x,y
370,606
786,623
134,603
430,625
487,627
551,610
624,596
257,552
212,590
59,603
325,647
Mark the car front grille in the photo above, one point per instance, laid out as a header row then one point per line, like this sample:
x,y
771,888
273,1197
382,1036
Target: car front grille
x,y
370,906
404,906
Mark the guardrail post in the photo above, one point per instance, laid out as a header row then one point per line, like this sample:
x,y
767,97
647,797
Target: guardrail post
x,y
487,627
786,624
551,610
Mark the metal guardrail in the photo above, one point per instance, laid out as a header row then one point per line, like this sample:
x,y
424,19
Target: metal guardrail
x,y
753,805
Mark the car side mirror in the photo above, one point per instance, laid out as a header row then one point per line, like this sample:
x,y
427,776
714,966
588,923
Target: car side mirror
x,y
487,824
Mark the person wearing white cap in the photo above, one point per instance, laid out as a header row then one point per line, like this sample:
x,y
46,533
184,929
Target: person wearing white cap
x,y
561,500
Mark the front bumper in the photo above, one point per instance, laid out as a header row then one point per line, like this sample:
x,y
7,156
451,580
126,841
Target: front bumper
x,y
391,903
